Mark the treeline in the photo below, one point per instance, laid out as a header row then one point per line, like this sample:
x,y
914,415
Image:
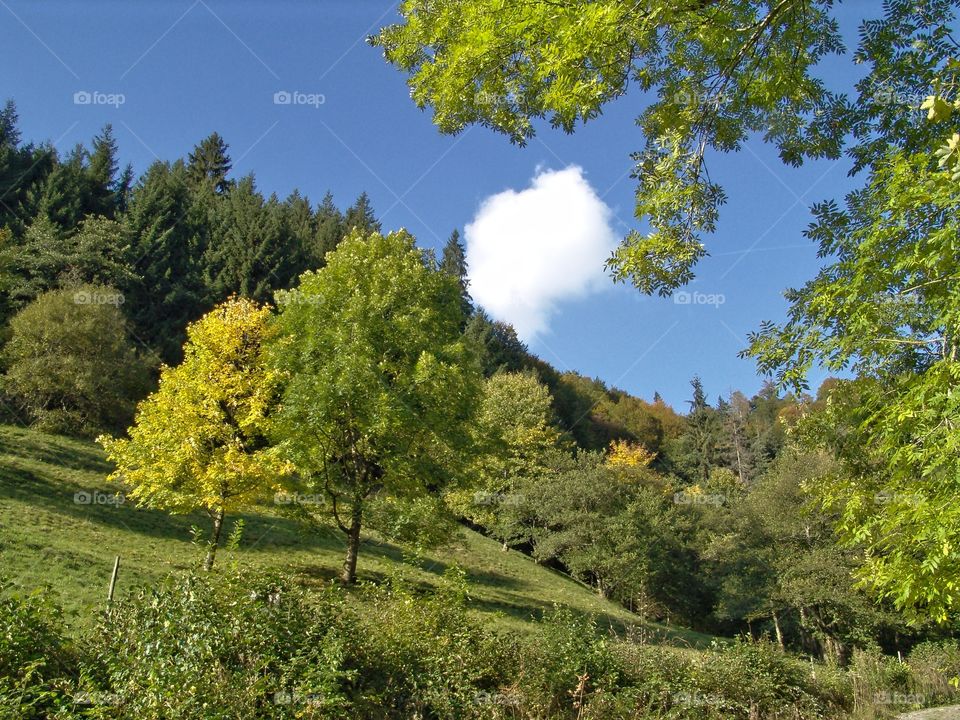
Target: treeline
x,y
175,241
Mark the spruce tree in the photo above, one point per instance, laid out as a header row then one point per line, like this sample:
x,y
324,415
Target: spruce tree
x,y
330,230
102,175
210,163
167,246
23,169
454,263
252,253
360,216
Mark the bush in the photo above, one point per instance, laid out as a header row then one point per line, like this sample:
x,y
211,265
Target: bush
x,y
424,657
243,645
71,365
934,670
34,657
566,666
745,680
221,647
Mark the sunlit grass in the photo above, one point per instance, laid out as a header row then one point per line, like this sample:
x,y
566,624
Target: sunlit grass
x,y
50,538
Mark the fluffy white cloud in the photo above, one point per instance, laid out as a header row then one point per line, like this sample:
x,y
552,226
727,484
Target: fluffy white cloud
x,y
528,251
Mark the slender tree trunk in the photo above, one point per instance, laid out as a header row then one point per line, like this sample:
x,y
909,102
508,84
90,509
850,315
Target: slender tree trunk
x,y
214,540
779,632
349,574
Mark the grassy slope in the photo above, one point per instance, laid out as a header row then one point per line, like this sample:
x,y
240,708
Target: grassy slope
x,y
48,539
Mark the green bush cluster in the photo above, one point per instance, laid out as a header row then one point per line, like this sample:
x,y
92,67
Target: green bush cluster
x,y
885,686
35,660
246,645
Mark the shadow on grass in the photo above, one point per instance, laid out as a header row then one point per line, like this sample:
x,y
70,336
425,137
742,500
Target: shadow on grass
x,y
53,449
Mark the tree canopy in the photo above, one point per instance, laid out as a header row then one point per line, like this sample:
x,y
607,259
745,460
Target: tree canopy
x,y
381,384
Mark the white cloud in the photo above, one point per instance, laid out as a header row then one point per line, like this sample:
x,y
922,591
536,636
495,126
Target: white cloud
x,y
530,250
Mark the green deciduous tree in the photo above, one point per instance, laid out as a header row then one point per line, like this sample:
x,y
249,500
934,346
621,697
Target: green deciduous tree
x,y
71,363
381,383
885,308
515,428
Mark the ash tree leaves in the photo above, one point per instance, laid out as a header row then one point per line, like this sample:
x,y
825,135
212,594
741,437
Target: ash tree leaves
x,y
200,441
719,71
381,383
885,307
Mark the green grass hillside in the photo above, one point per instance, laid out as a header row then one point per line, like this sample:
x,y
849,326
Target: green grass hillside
x,y
50,537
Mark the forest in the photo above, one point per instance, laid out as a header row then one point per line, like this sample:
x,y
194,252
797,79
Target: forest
x,y
229,352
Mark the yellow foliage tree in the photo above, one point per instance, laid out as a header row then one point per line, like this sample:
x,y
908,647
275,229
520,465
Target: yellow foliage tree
x,y
627,455
200,440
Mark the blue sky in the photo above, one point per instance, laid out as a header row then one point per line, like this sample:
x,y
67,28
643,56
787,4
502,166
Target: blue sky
x,y
188,67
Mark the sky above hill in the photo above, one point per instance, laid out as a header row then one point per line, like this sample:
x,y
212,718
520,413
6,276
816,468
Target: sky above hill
x,y
305,103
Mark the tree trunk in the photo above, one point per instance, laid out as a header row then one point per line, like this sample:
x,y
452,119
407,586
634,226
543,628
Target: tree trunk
x,y
214,540
349,574
776,628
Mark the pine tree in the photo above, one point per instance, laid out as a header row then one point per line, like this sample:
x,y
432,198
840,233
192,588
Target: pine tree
x,y
102,175
123,188
167,244
360,216
700,440
63,193
330,230
252,253
299,225
454,263
9,126
23,170
210,163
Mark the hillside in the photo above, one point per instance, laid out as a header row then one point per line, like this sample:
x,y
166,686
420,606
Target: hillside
x,y
50,537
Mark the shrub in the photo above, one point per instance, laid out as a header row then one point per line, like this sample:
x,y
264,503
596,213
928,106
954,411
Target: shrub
x,y
71,364
934,670
566,665
221,647
35,659
423,656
